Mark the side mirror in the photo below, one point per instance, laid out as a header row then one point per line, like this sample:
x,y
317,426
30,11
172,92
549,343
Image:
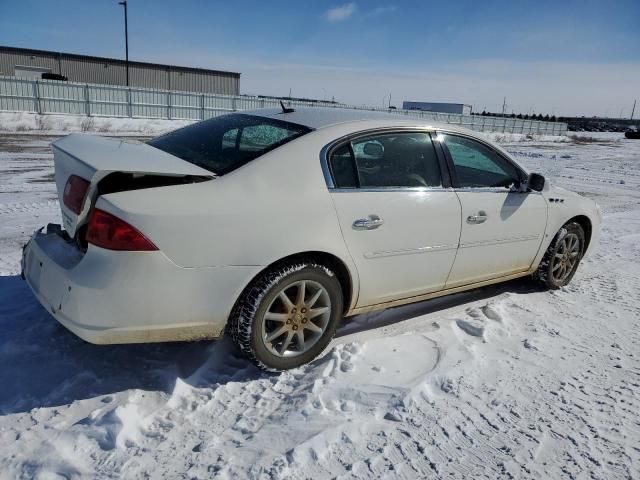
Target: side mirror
x,y
536,182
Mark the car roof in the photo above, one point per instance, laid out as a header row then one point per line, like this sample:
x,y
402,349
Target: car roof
x,y
320,117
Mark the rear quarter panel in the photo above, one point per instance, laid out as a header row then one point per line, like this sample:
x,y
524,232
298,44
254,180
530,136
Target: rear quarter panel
x,y
273,207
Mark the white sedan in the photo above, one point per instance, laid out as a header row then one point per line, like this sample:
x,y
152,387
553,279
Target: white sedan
x,y
275,224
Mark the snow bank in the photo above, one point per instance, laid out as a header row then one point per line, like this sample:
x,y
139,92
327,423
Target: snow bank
x,y
32,123
523,137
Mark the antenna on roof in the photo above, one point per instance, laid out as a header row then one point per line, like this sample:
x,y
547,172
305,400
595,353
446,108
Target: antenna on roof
x,y
286,109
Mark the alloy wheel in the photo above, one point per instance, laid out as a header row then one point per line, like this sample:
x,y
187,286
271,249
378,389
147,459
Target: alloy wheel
x,y
565,258
296,318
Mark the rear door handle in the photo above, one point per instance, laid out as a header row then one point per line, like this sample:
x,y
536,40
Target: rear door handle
x,y
481,217
369,223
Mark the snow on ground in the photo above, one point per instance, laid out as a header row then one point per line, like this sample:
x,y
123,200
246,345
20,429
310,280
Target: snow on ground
x,y
52,124
507,381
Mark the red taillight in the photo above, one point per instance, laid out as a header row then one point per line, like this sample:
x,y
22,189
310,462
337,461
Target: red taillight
x,y
74,192
108,231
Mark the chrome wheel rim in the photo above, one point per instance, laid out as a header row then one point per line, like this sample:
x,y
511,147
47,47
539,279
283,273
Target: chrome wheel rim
x,y
296,318
565,258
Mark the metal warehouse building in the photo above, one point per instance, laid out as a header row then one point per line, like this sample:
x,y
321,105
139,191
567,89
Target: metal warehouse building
x,y
27,63
459,108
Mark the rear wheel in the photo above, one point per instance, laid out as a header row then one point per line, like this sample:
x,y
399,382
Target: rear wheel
x,y
288,315
560,262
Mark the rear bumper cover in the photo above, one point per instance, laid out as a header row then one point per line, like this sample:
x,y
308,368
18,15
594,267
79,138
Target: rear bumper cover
x,y
108,297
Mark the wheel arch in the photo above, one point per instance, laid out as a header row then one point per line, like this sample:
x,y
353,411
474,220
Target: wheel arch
x,y
586,225
331,261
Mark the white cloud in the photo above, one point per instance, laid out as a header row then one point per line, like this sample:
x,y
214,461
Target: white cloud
x,y
342,12
384,9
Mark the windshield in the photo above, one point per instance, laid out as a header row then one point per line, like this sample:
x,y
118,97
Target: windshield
x,y
225,143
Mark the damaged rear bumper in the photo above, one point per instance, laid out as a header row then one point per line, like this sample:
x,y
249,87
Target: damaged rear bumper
x,y
108,297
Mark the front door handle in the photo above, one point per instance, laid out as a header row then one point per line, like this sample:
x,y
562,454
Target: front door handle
x,y
369,223
481,217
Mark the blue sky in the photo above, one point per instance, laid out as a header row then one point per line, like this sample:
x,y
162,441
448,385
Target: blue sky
x,y
566,57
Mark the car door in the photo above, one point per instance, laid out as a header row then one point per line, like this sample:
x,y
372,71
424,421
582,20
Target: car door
x,y
502,225
400,222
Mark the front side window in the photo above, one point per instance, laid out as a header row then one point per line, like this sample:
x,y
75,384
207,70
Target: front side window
x,y
477,165
225,143
387,160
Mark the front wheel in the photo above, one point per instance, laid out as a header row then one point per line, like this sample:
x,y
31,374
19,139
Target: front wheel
x,y
560,262
288,315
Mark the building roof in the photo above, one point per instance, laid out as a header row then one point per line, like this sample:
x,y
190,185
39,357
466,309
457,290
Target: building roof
x,y
318,117
75,56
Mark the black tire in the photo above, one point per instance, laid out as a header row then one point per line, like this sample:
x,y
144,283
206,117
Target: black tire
x,y
545,272
245,320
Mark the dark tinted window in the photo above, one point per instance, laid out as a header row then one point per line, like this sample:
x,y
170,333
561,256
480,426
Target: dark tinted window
x,y
343,169
478,165
225,143
405,159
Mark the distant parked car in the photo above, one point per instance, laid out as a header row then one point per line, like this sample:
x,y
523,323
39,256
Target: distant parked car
x,y
54,76
633,134
274,226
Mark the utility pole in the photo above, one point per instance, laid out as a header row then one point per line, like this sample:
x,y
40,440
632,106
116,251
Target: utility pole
x,y
634,109
383,100
126,38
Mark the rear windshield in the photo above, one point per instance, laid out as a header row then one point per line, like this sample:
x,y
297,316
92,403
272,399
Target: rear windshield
x,y
225,143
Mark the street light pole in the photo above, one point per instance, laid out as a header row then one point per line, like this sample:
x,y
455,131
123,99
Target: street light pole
x,y
126,39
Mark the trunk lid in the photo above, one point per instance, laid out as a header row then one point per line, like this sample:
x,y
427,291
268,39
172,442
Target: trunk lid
x,y
93,158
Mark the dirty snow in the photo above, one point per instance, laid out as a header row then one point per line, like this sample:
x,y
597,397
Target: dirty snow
x,y
506,381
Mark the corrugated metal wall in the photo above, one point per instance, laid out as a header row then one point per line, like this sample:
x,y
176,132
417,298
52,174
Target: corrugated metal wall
x,y
107,71
48,96
9,60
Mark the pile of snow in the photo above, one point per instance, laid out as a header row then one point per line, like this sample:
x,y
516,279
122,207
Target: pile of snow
x,y
54,124
498,137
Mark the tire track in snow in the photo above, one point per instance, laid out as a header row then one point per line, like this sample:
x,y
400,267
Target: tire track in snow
x,y
22,208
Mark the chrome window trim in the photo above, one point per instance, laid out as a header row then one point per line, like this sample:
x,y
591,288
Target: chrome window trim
x,y
326,151
392,189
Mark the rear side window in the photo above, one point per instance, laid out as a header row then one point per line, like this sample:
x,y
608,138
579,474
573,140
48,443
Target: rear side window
x,y
406,159
343,168
225,143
